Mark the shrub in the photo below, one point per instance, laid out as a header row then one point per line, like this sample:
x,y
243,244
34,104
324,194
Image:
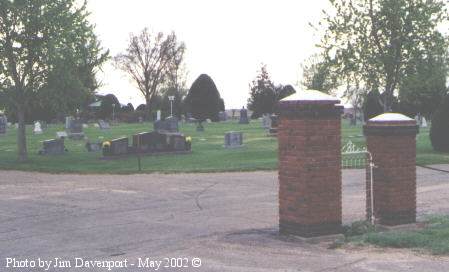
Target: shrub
x,y
203,99
439,131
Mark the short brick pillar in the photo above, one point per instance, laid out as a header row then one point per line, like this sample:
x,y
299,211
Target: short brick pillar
x,y
310,183
391,140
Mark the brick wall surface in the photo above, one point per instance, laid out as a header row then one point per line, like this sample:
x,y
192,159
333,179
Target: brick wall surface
x,y
310,169
393,147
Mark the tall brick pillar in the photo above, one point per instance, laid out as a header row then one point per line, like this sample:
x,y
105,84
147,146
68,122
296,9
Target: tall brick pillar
x,y
391,139
309,164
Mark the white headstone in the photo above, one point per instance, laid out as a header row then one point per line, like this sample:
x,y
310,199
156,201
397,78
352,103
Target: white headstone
x,y
16,125
424,122
85,125
158,117
61,134
37,128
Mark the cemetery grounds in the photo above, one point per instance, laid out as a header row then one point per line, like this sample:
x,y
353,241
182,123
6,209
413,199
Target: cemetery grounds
x,y
208,154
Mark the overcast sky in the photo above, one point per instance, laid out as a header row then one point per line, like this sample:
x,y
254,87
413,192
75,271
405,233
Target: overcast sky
x,y
226,39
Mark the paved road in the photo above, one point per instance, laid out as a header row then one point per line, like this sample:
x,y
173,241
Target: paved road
x,y
229,220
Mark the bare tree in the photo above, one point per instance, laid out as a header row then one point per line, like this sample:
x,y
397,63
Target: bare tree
x,y
152,61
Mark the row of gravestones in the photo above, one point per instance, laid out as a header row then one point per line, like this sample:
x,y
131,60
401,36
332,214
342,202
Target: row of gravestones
x,y
74,130
166,131
146,143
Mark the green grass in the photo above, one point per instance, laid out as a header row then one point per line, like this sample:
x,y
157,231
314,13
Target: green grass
x,y
208,154
434,238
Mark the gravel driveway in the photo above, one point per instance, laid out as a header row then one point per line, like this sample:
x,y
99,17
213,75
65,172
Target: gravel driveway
x,y
227,220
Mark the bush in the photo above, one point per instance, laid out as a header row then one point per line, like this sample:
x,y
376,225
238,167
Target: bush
x,y
203,99
439,131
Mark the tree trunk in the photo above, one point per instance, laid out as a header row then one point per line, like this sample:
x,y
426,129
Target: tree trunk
x,y
148,110
21,136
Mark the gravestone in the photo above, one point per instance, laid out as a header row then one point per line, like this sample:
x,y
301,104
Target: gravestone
x,y
424,122
117,147
222,116
233,139
158,115
170,124
85,126
149,142
68,120
3,124
266,121
243,116
103,125
37,128
140,119
76,130
61,134
274,124
175,141
159,142
53,147
93,147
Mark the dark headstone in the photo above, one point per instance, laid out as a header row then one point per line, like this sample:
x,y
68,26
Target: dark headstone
x,y
53,147
93,147
175,141
222,116
149,142
68,120
103,125
76,129
170,124
233,139
3,124
243,117
159,142
119,146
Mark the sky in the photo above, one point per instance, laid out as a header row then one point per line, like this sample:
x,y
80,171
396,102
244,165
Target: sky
x,y
227,40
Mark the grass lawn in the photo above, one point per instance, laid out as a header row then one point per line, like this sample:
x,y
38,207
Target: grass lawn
x,y
208,154
434,238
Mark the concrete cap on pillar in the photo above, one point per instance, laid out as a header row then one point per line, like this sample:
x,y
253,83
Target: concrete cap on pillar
x,y
391,119
391,124
309,97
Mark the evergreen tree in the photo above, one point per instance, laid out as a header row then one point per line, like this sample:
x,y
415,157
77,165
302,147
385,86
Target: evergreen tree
x,y
439,131
203,100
